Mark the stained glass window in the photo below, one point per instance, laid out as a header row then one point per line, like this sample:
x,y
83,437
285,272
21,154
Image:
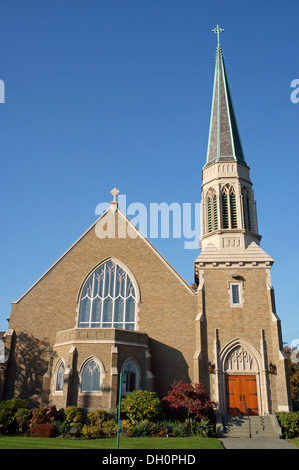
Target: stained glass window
x,y
91,377
60,378
108,299
129,383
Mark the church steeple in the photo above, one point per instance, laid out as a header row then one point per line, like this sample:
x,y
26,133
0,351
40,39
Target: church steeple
x,y
224,141
228,216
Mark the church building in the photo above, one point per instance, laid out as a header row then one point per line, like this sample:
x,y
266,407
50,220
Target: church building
x,y
114,305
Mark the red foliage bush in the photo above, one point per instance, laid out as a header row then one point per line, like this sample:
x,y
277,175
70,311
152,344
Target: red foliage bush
x,y
44,415
188,401
42,430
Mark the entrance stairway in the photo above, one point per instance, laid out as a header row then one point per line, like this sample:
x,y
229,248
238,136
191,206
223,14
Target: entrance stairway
x,y
255,427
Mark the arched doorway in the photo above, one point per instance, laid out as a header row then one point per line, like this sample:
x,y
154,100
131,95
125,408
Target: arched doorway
x,y
240,380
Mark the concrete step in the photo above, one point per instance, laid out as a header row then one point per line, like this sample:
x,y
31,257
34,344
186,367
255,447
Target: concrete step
x,y
254,427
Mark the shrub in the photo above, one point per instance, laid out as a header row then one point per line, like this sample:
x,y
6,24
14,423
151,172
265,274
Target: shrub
x,y
188,401
8,410
109,428
97,417
202,428
74,416
61,428
205,428
142,428
22,417
45,415
91,432
42,430
126,426
140,405
289,423
179,429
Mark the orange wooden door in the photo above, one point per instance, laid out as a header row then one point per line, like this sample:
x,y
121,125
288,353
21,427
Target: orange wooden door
x,y
250,393
234,404
241,395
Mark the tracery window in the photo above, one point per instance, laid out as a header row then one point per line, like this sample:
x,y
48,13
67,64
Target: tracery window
x,y
60,377
108,299
130,377
91,377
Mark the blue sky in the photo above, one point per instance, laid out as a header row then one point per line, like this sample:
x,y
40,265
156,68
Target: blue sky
x,y
111,93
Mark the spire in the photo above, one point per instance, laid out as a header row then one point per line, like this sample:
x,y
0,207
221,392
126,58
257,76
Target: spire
x,y
224,140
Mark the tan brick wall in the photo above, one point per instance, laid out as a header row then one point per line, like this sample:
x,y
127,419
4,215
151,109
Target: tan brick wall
x,y
245,322
50,306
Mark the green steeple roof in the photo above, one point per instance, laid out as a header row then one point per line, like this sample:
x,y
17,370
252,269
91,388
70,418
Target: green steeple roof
x,y
224,140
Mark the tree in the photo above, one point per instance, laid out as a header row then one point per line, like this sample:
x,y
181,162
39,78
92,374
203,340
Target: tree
x,y
293,360
188,401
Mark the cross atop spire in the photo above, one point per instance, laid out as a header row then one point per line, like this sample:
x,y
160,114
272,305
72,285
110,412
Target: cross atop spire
x,y
224,140
218,31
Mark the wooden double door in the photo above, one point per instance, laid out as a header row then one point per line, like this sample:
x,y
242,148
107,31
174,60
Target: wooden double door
x,y
241,395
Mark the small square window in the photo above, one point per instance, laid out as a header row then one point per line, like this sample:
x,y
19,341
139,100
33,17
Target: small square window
x,y
236,294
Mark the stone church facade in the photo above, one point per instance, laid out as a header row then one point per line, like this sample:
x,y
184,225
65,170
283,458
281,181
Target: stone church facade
x,y
114,304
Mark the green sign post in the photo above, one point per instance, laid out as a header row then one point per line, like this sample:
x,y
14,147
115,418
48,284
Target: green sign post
x,y
118,413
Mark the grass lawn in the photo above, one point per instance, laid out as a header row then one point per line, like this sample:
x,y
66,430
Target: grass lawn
x,y
294,441
18,442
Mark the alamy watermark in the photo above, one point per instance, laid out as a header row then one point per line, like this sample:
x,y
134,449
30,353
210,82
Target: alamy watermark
x,y
2,92
159,220
295,93
295,350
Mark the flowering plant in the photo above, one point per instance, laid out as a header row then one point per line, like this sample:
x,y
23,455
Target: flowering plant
x,y
45,415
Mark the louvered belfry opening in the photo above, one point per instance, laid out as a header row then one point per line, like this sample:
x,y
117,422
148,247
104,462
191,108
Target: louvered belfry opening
x,y
212,211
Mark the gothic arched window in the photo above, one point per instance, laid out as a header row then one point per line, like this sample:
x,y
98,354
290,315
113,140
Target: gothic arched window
x,y
212,212
91,377
233,208
130,377
60,377
108,299
225,212
229,207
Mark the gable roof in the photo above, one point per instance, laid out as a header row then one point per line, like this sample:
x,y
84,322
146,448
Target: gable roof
x,y
133,227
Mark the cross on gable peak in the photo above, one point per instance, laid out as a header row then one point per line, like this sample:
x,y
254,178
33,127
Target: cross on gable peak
x,y
115,193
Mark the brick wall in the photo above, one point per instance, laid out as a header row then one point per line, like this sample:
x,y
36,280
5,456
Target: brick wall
x,y
166,314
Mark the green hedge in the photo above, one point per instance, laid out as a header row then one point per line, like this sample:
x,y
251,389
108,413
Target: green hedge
x,y
289,423
141,405
8,411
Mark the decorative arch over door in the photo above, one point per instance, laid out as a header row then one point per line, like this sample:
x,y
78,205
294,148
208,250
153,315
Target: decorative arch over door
x,y
241,381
